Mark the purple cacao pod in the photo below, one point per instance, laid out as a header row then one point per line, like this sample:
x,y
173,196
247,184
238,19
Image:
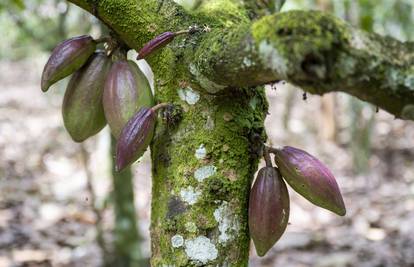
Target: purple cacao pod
x,y
135,138
158,42
310,178
82,108
126,91
66,58
268,209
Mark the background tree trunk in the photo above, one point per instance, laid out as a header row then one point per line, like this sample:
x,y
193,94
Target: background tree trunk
x,y
126,250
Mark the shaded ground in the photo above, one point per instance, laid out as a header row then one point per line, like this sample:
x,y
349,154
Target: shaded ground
x,y
45,214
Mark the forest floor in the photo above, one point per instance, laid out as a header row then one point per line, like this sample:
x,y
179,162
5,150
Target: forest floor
x,y
45,211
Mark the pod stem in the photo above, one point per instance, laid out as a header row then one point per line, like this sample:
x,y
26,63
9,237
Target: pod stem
x,y
181,32
271,149
190,30
160,106
103,39
266,157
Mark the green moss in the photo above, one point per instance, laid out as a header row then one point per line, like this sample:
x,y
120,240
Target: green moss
x,y
228,146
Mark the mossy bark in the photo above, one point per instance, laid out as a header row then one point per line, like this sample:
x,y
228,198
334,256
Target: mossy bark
x,y
205,151
202,171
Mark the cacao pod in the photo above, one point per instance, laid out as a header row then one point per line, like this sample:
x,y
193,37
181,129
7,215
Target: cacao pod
x,y
135,137
82,108
158,42
126,91
310,178
268,209
66,58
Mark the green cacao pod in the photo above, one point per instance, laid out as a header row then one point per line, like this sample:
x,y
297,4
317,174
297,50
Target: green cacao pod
x,y
66,58
82,108
126,91
135,137
268,209
310,178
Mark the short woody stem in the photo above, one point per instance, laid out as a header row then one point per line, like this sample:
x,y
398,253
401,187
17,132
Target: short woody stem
x,y
271,150
160,106
103,39
181,32
266,157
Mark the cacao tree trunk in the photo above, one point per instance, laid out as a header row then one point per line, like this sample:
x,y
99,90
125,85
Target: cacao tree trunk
x,y
205,150
202,171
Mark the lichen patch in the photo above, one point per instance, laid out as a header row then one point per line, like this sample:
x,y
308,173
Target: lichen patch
x,y
200,249
201,152
271,58
208,85
189,195
358,40
205,172
247,62
177,241
228,223
189,95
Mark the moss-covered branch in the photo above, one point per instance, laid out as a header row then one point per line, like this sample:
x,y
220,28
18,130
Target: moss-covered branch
x,y
316,51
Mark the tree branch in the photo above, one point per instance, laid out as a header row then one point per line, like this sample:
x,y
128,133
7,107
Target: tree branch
x,y
316,51
313,50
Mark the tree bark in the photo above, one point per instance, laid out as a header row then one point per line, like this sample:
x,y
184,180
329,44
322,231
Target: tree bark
x,y
205,150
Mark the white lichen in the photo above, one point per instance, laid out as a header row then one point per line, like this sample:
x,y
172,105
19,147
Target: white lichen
x,y
189,195
189,95
204,172
208,85
247,62
271,58
201,152
228,223
358,40
177,241
409,82
201,249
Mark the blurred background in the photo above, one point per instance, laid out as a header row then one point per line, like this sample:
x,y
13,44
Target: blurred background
x,y
60,204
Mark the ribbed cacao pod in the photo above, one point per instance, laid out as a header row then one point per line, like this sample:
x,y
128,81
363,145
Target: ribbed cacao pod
x,y
135,137
126,91
158,42
268,209
82,108
310,178
66,58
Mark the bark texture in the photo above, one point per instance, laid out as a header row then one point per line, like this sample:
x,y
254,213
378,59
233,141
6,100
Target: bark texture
x,y
205,150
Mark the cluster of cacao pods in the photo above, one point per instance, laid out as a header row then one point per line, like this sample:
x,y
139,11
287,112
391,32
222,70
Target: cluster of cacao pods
x,y
269,198
103,90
